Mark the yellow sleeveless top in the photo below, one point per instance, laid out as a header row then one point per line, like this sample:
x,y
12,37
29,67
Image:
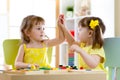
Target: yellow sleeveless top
x,y
36,56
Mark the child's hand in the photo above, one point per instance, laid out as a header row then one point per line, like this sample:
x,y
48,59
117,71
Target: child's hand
x,y
75,47
61,20
37,66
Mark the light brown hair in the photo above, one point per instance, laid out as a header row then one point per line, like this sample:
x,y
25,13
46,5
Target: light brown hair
x,y
27,24
97,36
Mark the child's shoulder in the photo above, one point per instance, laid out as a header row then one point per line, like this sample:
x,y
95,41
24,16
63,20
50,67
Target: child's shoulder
x,y
23,45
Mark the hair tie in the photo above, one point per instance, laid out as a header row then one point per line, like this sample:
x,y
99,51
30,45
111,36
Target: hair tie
x,y
93,24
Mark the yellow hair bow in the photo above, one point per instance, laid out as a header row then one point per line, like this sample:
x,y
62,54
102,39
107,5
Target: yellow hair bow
x,y
93,24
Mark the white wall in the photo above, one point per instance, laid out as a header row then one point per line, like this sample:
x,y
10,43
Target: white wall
x,y
3,24
105,10
3,31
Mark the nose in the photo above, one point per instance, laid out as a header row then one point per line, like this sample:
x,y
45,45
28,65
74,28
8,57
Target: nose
x,y
42,31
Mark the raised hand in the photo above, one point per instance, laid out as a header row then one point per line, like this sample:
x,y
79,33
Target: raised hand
x,y
61,20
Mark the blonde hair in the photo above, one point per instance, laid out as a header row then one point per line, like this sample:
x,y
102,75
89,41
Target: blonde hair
x,y
27,24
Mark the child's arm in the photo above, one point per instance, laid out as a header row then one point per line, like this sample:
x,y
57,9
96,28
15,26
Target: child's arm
x,y
19,59
91,60
59,39
67,34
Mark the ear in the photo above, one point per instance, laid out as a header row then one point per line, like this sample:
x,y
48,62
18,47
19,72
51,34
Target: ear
x,y
90,33
27,33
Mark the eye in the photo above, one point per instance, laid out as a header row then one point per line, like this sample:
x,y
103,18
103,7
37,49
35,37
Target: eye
x,y
43,28
38,28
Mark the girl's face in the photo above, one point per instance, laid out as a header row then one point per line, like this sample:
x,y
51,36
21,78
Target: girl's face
x,y
37,32
84,34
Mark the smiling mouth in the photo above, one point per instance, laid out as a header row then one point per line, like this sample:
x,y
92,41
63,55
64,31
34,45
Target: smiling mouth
x,y
41,38
44,37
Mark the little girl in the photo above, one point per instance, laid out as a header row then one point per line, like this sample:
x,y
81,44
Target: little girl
x,y
90,46
32,51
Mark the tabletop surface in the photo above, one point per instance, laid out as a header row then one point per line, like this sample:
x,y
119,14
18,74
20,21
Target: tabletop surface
x,y
53,75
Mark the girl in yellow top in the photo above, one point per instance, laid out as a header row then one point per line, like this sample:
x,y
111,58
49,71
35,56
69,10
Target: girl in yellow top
x,y
90,45
32,51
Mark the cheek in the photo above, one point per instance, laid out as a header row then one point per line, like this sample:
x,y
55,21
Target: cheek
x,y
82,36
